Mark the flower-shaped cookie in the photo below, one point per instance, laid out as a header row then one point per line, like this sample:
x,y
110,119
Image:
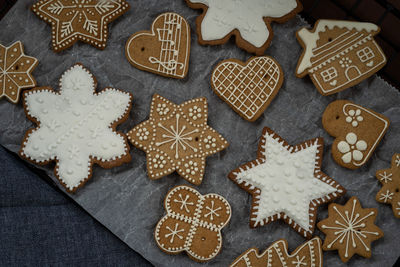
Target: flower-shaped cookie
x,y
193,223
352,148
76,127
177,137
15,71
390,180
350,229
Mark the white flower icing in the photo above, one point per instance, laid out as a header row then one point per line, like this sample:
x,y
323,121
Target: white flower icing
x,y
223,16
75,125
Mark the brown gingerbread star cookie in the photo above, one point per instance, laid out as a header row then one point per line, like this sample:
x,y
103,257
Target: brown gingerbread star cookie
x,y
15,71
287,182
390,180
350,229
73,20
308,254
177,138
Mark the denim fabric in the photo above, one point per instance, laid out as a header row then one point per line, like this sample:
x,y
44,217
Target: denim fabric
x,y
39,226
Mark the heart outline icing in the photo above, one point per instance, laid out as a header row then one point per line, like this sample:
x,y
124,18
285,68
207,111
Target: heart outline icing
x,y
163,50
248,87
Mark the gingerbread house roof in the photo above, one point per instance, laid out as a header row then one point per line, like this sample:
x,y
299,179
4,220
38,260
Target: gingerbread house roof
x,y
310,38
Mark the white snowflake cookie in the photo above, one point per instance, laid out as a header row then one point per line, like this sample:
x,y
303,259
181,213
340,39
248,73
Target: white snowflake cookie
x,y
76,127
248,20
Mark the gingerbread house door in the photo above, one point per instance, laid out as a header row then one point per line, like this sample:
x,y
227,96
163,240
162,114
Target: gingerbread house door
x,y
352,73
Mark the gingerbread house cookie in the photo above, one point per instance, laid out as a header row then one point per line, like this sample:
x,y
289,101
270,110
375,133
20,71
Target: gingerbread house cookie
x,y
339,54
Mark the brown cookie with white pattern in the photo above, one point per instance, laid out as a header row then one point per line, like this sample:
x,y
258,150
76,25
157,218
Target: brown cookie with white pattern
x,y
358,131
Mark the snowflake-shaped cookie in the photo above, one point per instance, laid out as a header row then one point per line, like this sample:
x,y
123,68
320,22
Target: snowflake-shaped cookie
x,y
193,223
350,229
177,138
15,71
84,20
76,127
390,180
248,20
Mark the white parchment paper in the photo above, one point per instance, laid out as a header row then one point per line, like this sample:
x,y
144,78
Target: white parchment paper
x,y
130,204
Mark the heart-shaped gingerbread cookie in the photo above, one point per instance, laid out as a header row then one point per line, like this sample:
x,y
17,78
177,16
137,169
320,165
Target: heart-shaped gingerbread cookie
x,y
247,87
165,49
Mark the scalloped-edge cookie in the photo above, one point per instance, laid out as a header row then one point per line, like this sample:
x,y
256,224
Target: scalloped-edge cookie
x,y
193,223
76,127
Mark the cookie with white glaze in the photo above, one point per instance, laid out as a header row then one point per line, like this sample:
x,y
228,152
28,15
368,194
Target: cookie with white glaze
x,y
338,54
286,183
247,87
193,223
350,229
177,138
84,20
248,20
76,127
165,50
308,254
357,131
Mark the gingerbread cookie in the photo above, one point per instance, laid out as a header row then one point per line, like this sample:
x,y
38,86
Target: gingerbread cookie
x,y
390,180
247,87
248,20
358,131
177,138
308,254
339,54
350,229
193,223
164,50
15,71
286,182
76,127
84,20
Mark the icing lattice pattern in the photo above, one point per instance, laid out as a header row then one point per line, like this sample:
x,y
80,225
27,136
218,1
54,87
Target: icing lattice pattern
x,y
247,88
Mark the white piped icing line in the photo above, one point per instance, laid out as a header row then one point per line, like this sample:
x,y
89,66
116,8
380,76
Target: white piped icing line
x,y
85,20
287,183
15,71
310,38
177,136
351,226
224,16
193,223
308,254
76,127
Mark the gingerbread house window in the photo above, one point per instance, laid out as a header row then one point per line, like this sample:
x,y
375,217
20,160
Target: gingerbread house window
x,y
329,74
365,54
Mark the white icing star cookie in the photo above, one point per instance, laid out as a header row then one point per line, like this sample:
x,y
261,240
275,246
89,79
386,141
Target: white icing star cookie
x,y
76,127
248,20
287,182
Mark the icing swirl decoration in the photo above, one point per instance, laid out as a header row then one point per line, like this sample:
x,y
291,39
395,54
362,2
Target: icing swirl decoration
x,y
76,127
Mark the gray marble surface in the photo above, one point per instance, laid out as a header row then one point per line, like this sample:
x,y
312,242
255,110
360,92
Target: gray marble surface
x,y
130,204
